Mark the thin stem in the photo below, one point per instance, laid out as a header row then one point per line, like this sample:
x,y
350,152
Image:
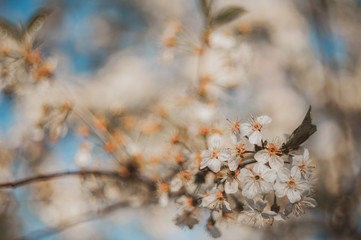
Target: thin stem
x,y
247,163
185,146
46,177
205,141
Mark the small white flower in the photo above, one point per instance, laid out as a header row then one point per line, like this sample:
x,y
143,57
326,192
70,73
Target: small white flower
x,y
182,179
237,152
256,213
270,155
290,184
298,208
253,129
304,163
213,157
216,201
185,203
259,180
231,184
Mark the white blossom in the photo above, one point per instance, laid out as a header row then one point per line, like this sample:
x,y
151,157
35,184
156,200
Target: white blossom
x,y
213,157
304,163
290,184
256,213
253,129
270,155
258,180
216,201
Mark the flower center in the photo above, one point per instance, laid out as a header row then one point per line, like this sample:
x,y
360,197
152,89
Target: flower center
x,y
302,166
185,176
164,187
240,150
272,150
256,126
257,177
235,128
214,154
220,196
291,183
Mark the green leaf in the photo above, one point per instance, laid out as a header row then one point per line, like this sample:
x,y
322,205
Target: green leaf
x,y
300,134
227,14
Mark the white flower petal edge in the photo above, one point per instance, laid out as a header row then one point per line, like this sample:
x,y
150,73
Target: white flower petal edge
x,y
262,156
264,119
255,137
214,165
231,186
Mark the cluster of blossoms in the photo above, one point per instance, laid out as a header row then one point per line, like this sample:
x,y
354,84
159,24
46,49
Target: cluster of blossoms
x,y
232,171
21,61
242,176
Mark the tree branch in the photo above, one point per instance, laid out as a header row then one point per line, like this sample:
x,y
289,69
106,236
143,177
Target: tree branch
x,y
46,177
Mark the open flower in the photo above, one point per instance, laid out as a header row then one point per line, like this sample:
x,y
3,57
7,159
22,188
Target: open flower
x,y
213,157
182,179
304,163
258,180
216,201
299,208
237,152
271,155
253,129
231,184
290,184
255,213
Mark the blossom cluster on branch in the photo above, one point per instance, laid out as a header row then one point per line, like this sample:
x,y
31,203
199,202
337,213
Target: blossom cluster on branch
x,y
227,169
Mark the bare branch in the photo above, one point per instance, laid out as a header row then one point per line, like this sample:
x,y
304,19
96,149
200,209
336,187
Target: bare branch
x,y
46,177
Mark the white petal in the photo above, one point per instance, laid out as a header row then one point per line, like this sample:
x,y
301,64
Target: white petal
x,y
214,165
206,201
297,160
231,186
269,175
262,156
276,162
224,155
245,129
281,189
244,174
302,186
306,155
283,174
227,205
263,120
204,162
255,137
175,184
233,163
296,173
215,141
250,190
163,200
266,187
293,195
259,168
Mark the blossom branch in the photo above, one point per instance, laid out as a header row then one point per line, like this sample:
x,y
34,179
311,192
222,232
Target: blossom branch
x,y
46,177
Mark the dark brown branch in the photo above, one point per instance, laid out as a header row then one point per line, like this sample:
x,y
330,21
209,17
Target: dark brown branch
x,y
46,177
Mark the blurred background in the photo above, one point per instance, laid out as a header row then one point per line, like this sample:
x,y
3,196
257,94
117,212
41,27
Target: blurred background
x,y
109,54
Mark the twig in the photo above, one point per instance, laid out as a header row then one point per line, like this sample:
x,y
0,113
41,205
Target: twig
x,y
46,177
